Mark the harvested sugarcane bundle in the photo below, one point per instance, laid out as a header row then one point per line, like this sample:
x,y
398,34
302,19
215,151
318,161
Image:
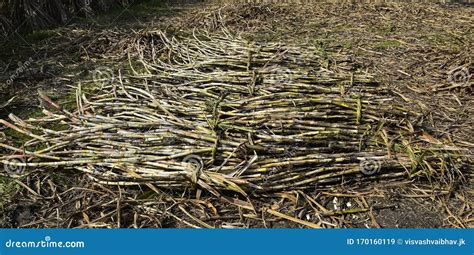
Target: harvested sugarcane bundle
x,y
221,113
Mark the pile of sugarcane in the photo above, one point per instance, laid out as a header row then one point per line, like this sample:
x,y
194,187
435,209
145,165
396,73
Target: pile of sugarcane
x,y
218,112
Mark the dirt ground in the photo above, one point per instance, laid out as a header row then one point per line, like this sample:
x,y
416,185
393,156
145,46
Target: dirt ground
x,y
412,48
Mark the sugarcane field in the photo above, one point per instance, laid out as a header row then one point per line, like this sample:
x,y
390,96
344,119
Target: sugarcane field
x,y
236,114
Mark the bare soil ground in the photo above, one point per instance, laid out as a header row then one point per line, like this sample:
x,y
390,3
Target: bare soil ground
x,y
413,48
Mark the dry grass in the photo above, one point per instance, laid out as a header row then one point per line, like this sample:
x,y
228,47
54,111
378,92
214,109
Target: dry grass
x,y
409,48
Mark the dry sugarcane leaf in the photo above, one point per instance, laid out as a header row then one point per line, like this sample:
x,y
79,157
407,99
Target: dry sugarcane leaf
x,y
7,103
428,138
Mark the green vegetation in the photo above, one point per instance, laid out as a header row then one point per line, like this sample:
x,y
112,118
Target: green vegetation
x,y
7,189
387,44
